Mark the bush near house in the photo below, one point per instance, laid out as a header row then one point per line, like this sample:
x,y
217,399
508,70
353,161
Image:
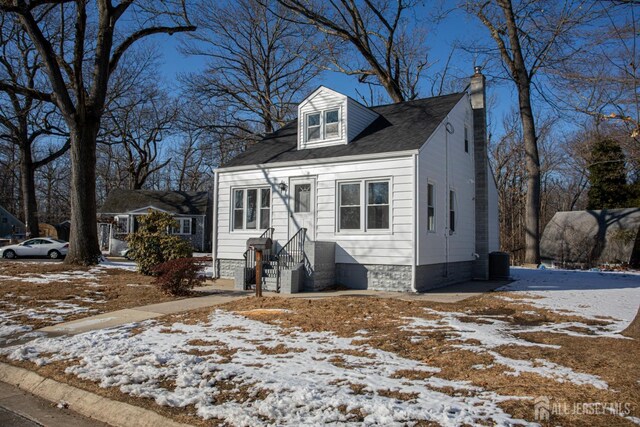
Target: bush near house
x,y
179,276
151,245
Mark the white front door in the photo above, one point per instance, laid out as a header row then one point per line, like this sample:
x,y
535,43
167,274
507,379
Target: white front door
x,y
302,206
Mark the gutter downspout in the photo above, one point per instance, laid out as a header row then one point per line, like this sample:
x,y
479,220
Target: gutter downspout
x,y
447,205
414,262
214,239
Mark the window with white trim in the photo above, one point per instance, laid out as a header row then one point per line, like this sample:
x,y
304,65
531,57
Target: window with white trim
x,y
431,208
378,205
331,124
313,127
251,208
322,125
452,211
349,211
183,226
364,205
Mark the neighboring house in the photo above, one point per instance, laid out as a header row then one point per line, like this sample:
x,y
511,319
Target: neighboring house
x,y
9,224
121,210
395,197
589,238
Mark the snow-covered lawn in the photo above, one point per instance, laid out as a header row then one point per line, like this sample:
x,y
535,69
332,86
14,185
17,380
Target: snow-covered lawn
x,y
614,297
371,361
33,295
290,378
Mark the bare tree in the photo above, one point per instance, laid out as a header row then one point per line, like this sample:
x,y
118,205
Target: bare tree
x,y
529,35
258,62
391,50
24,120
138,123
78,74
602,79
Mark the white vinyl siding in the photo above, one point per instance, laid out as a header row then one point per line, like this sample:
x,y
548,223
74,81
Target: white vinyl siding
x,y
359,117
454,171
391,246
340,119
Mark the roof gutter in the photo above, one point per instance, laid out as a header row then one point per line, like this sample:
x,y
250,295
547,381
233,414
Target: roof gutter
x,y
342,159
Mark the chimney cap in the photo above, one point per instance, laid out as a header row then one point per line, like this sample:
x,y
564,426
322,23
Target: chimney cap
x,y
477,69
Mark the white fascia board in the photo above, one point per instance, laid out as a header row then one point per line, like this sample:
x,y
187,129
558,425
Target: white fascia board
x,y
343,159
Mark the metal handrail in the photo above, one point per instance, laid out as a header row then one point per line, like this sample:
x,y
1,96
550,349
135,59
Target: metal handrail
x,y
291,254
249,255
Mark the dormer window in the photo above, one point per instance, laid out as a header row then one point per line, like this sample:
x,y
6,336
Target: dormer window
x,y
323,125
331,122
313,127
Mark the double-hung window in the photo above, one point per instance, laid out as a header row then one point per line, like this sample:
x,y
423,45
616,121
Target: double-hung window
x,y
313,127
349,210
251,208
322,125
331,124
363,205
378,205
431,208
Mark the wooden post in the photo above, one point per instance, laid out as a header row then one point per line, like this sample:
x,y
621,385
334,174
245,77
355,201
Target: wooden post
x,y
258,273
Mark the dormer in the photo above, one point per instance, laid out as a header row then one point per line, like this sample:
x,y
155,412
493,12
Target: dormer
x,y
327,118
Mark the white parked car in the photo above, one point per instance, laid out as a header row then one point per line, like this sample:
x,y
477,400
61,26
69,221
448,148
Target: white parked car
x,y
38,247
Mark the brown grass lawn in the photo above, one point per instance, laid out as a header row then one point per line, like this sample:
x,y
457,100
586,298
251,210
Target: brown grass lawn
x,y
98,290
616,361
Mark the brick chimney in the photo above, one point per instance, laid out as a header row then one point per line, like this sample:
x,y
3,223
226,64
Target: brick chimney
x,y
479,108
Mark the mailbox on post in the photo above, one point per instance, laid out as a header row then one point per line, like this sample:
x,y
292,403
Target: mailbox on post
x,y
259,245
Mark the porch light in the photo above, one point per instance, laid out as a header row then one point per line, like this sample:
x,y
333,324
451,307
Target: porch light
x,y
283,186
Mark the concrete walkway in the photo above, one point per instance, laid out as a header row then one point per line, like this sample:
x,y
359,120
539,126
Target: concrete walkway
x,y
222,291
139,314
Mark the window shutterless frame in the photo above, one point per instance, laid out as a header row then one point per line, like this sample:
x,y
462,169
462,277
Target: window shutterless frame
x,y
452,211
324,125
364,206
431,207
250,208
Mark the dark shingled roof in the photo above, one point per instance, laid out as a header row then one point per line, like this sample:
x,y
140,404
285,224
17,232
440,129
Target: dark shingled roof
x,y
175,202
400,127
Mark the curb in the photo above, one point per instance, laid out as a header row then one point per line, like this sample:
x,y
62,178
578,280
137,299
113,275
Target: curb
x,y
115,413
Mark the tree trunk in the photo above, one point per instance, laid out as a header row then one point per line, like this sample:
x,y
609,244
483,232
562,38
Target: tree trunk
x,y
532,163
633,330
28,189
83,240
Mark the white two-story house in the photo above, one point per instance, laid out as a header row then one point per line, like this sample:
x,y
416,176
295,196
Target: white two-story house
x,y
394,197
